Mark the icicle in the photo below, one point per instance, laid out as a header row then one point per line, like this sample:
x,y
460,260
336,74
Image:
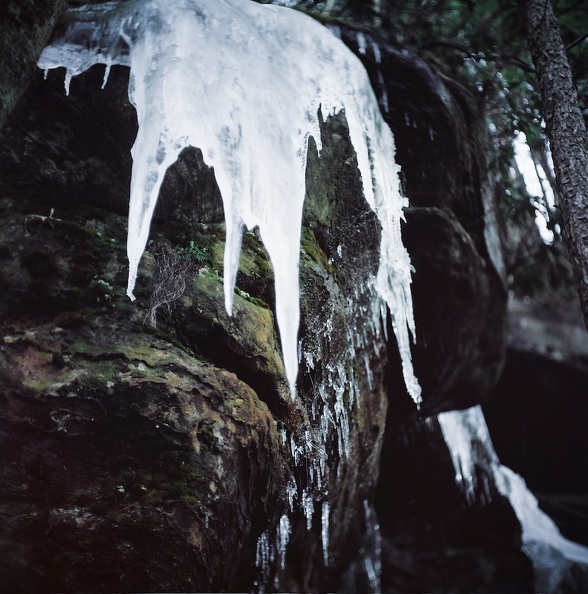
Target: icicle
x,y
376,50
368,370
325,532
199,77
262,559
460,429
67,80
106,74
335,30
295,449
361,43
291,492
283,538
308,357
372,558
384,104
308,508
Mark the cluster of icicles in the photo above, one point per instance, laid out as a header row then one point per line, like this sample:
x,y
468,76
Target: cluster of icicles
x,y
336,393
247,83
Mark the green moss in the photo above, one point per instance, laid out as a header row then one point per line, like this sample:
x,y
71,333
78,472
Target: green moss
x,y
258,302
168,338
181,483
254,257
312,254
206,244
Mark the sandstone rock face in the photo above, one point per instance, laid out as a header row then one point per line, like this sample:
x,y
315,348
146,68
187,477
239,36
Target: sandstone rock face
x,y
139,456
26,27
154,445
119,445
537,413
433,537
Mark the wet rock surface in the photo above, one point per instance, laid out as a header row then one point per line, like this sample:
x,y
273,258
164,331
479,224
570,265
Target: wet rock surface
x,y
145,444
538,411
434,538
137,456
452,230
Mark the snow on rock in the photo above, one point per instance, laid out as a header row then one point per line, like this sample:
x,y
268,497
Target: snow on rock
x,y
246,83
467,437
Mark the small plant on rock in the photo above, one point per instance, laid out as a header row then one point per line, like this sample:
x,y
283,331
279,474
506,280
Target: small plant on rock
x,y
192,251
174,266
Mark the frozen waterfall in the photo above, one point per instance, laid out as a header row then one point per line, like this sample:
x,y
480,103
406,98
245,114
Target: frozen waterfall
x,y
468,439
245,83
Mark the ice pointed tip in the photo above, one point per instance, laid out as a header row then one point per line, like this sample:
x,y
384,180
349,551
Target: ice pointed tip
x,y
229,302
133,265
130,287
229,289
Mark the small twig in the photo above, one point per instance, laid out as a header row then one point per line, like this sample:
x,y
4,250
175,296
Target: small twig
x,y
576,42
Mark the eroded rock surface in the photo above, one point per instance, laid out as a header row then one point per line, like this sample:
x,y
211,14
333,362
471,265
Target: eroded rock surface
x,y
139,456
26,27
435,537
537,413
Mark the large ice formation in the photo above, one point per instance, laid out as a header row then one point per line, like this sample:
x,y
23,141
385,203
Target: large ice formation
x,y
246,83
468,439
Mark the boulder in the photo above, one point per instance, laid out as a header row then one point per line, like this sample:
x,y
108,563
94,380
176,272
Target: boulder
x,y
26,27
538,411
145,444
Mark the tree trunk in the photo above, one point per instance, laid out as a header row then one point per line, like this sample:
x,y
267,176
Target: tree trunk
x,y
566,131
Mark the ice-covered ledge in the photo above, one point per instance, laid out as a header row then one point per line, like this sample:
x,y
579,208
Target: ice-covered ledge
x,y
246,83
